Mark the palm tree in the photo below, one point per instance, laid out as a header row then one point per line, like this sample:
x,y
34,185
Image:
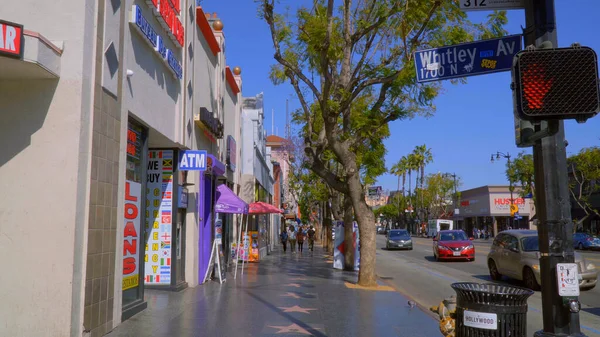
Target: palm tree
x,y
399,169
423,157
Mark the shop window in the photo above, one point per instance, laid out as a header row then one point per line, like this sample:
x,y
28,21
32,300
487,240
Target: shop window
x,y
134,217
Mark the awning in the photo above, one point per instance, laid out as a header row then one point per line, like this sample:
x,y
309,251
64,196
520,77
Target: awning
x,y
263,208
214,166
228,202
28,56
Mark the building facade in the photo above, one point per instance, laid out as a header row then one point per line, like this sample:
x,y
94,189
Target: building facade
x,y
256,180
107,103
282,154
488,208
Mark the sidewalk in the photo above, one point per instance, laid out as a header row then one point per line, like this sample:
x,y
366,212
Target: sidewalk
x,y
283,295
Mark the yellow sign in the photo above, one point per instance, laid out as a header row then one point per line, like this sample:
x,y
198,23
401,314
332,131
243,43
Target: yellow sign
x,y
130,281
513,209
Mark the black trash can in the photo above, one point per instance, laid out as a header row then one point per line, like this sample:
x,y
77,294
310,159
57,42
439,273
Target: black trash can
x,y
490,310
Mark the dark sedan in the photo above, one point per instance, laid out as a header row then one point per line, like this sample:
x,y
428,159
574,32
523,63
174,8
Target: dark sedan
x,y
398,239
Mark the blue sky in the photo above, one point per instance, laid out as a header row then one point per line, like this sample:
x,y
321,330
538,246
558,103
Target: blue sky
x,y
472,120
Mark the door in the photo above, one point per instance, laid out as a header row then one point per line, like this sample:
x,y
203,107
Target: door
x,y
180,244
511,257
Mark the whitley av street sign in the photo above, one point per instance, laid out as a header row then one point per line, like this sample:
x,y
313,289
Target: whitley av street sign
x,y
490,5
467,59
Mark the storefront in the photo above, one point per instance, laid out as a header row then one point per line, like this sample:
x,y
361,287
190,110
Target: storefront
x,y
206,200
134,216
486,209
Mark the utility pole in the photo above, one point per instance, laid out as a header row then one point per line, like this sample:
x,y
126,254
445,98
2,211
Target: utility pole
x,y
511,220
560,314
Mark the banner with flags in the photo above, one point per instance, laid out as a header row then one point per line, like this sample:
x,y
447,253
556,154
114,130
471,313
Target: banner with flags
x,y
159,208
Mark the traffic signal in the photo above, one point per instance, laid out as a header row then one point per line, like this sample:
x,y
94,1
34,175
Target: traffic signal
x,y
559,83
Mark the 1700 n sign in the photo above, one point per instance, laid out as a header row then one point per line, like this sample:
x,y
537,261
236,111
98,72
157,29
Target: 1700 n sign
x,y
472,5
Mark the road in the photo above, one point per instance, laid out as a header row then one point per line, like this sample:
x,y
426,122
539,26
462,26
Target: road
x,y
417,275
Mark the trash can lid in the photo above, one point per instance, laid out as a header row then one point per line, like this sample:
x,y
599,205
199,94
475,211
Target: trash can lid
x,y
490,292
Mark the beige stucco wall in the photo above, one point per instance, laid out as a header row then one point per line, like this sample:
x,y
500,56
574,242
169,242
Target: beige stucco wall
x,y
44,176
152,93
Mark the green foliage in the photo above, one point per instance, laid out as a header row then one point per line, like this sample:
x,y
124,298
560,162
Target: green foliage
x,y
353,71
389,211
520,171
585,178
439,194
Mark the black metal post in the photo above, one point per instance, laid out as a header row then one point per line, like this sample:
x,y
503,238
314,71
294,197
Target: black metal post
x,y
511,221
552,203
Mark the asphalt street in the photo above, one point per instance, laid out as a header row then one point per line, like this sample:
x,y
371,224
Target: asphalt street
x,y
417,275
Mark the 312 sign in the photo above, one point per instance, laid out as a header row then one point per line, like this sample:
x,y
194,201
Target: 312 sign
x,y
473,5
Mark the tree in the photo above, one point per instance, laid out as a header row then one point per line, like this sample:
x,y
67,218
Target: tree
x,y
400,169
584,170
521,171
422,156
439,194
351,66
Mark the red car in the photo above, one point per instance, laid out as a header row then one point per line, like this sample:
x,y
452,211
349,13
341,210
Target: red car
x,y
453,245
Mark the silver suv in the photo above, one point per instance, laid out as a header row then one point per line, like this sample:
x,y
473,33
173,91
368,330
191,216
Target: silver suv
x,y
515,254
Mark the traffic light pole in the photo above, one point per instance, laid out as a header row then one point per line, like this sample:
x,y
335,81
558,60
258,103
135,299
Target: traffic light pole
x,y
553,205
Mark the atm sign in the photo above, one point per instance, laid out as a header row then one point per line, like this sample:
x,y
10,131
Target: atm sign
x,y
11,39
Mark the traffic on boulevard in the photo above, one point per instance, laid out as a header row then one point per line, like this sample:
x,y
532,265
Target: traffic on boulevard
x,y
419,275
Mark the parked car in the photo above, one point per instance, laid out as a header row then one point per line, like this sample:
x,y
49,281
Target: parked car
x,y
398,239
585,241
515,254
381,229
453,245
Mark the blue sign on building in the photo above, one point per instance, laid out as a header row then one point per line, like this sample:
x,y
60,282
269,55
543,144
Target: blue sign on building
x,y
467,59
192,160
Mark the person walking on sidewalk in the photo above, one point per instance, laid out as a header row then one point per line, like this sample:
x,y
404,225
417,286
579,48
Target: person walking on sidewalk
x,y
311,238
292,239
300,238
284,240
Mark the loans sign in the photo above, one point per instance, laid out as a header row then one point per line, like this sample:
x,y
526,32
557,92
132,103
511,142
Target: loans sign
x,y
131,235
467,59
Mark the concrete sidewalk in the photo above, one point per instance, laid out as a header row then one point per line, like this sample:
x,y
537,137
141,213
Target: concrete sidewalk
x,y
283,295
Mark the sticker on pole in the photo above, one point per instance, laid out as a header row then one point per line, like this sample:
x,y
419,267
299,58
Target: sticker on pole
x,y
568,279
480,320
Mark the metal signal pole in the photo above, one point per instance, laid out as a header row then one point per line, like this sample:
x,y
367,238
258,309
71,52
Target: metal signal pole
x,y
560,314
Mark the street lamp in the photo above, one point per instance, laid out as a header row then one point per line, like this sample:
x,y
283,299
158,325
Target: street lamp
x,y
506,156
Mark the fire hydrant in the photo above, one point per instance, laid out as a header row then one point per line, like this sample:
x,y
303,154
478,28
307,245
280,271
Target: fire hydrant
x,y
447,312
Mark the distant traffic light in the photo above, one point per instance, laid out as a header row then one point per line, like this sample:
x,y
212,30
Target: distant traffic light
x,y
559,83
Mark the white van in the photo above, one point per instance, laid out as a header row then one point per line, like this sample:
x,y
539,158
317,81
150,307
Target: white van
x,y
436,225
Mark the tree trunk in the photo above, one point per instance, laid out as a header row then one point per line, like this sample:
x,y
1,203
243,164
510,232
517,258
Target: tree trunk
x,y
366,228
348,235
329,224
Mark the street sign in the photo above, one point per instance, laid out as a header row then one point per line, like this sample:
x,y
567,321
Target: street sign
x,y
489,5
514,209
467,59
568,280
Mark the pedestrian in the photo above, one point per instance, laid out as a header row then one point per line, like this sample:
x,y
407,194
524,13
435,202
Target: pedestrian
x,y
300,239
284,240
292,239
311,238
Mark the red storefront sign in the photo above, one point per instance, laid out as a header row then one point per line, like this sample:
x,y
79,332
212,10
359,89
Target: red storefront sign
x,y
11,39
506,201
168,10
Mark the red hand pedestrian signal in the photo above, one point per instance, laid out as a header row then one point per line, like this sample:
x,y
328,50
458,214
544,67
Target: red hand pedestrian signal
x,y
535,86
557,83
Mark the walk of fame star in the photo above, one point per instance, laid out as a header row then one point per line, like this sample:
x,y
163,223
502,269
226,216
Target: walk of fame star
x,y
297,309
293,328
294,295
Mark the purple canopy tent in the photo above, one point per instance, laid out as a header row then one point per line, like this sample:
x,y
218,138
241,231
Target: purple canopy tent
x,y
228,202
